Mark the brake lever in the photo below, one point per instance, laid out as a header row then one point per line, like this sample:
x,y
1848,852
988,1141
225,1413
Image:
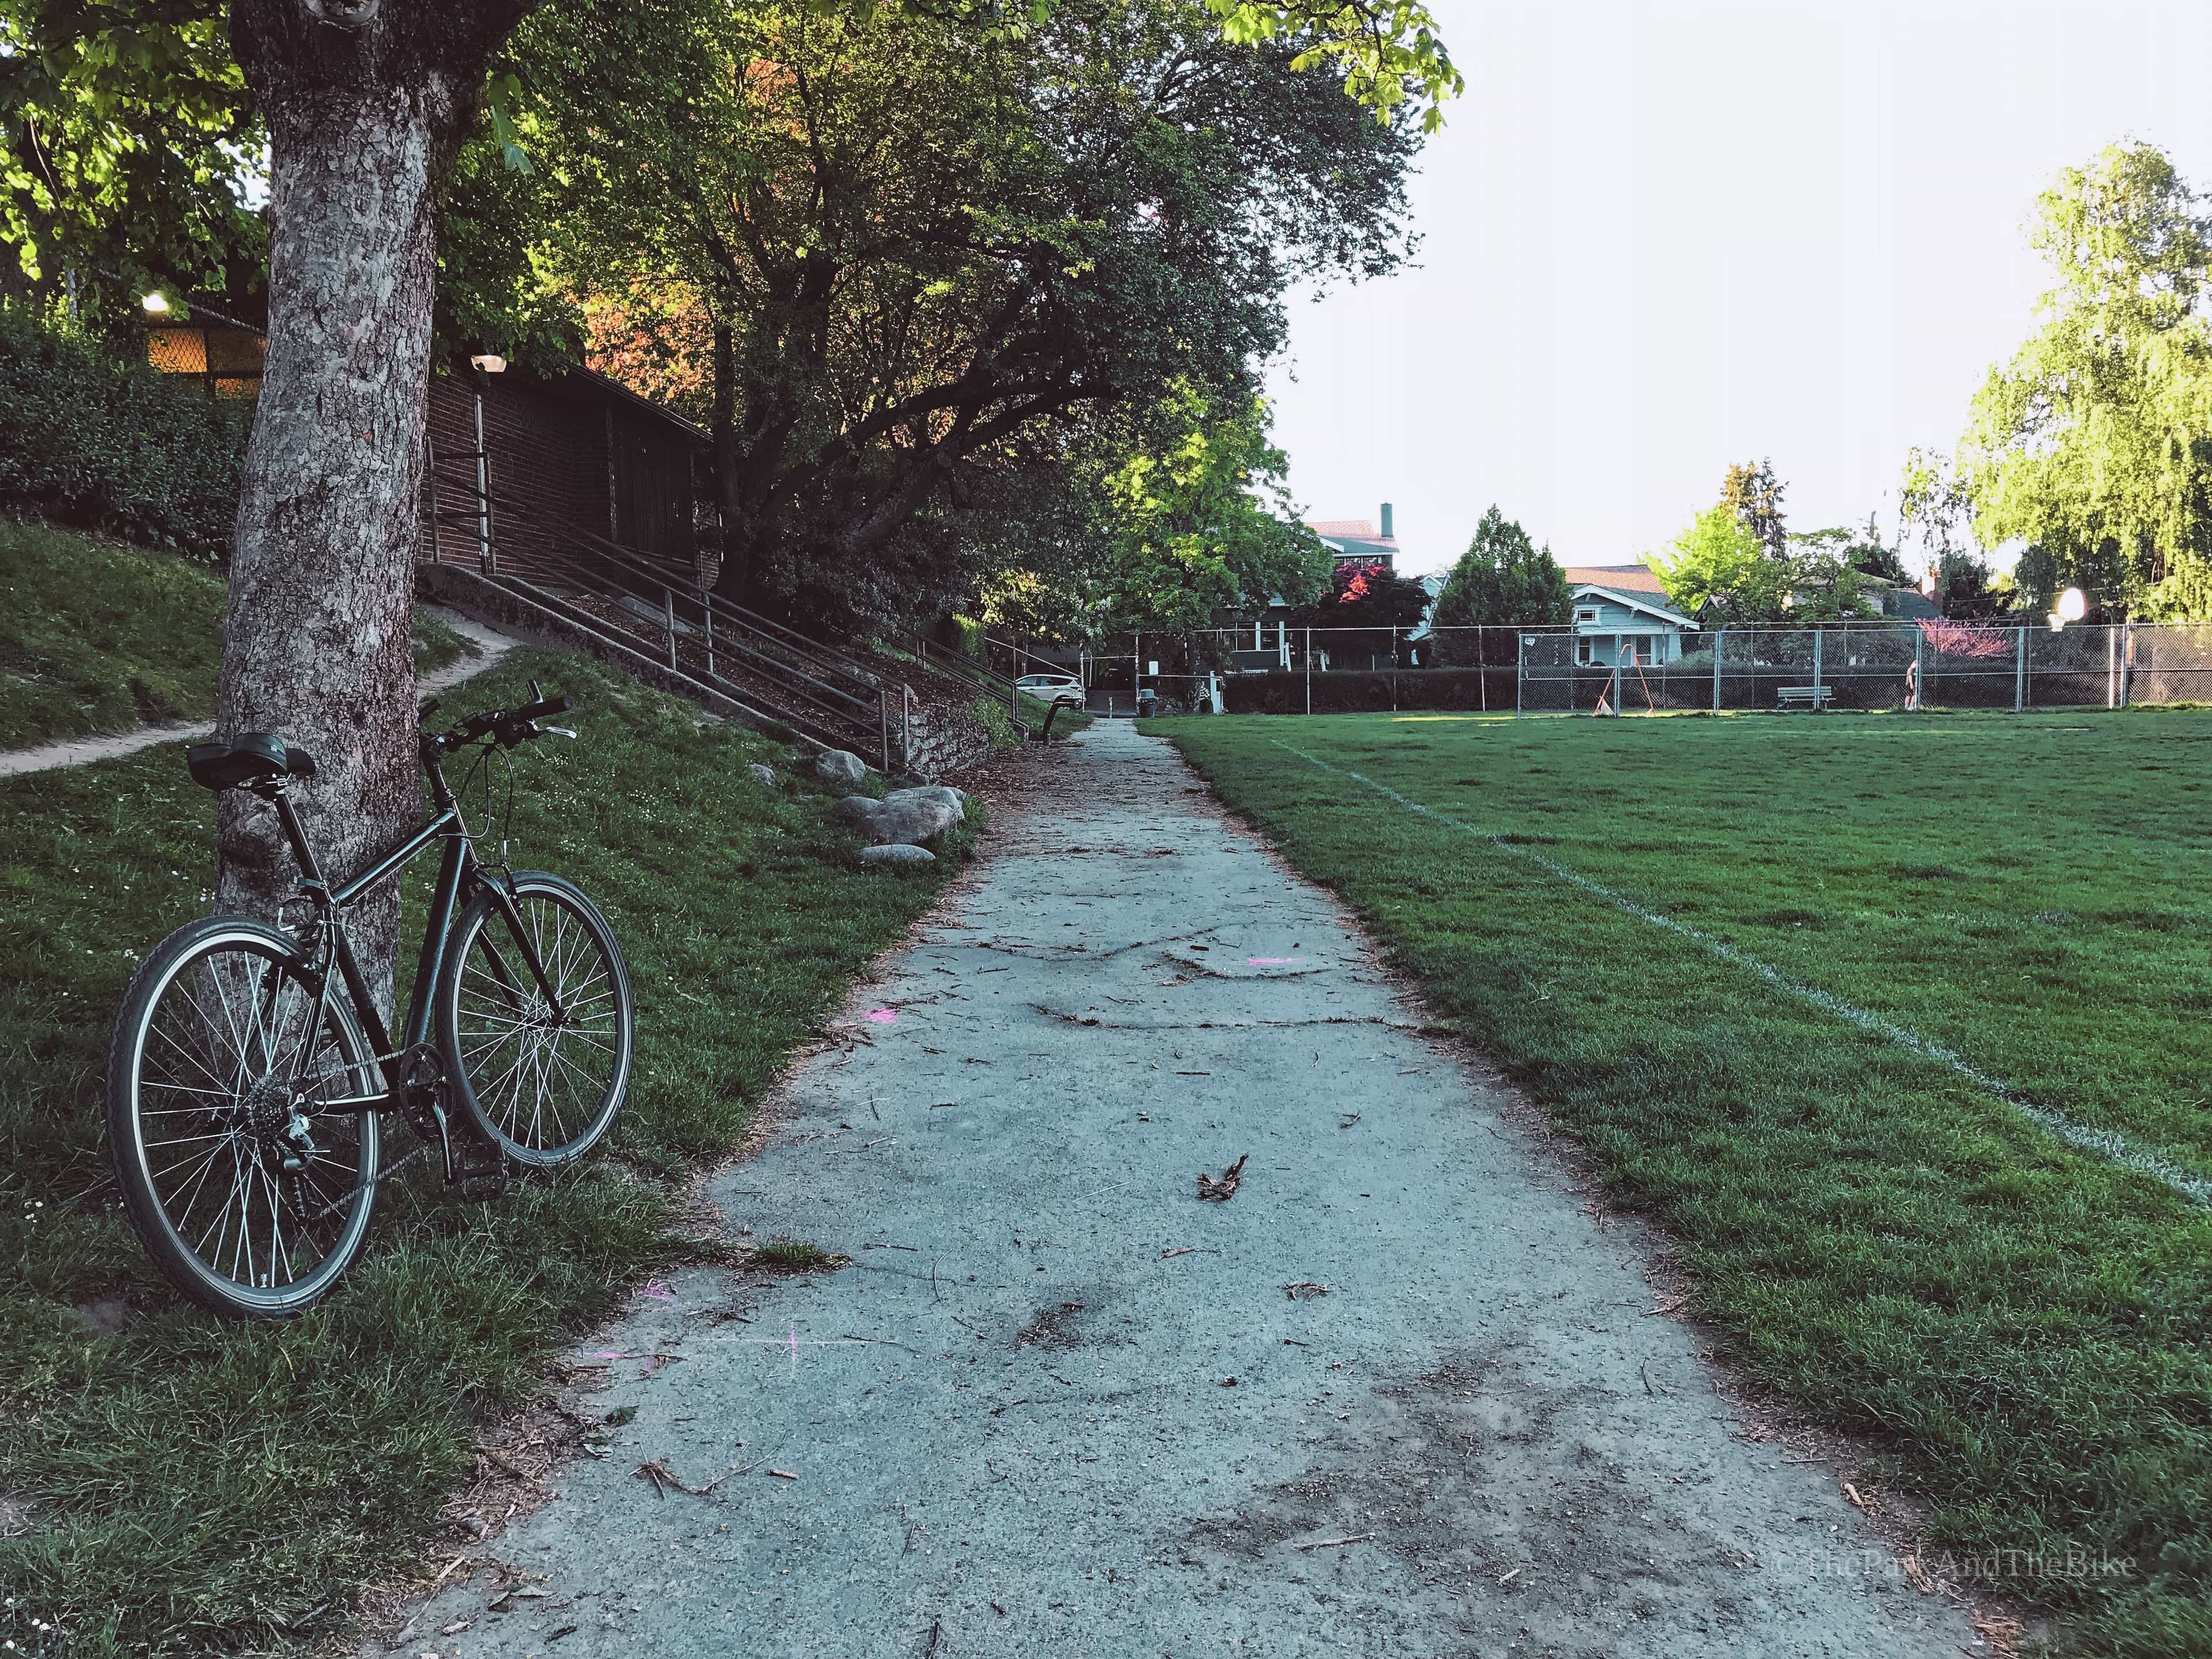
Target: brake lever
x,y
553,731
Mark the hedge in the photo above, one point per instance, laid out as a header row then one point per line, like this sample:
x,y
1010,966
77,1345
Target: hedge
x,y
91,436
1340,691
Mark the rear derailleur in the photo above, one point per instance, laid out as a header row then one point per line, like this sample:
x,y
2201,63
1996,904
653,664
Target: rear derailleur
x,y
472,1164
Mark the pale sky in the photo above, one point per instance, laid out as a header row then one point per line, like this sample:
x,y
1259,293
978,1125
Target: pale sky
x,y
1662,237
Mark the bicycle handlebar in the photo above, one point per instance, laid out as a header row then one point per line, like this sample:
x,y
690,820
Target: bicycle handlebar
x,y
508,726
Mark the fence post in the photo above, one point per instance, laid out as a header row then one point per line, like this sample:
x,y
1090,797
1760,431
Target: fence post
x,y
1309,671
906,728
1720,646
2020,673
1919,667
1520,668
2127,659
2112,665
1818,635
668,615
707,610
883,725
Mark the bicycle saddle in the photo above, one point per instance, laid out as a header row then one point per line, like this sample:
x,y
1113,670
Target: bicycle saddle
x,y
250,757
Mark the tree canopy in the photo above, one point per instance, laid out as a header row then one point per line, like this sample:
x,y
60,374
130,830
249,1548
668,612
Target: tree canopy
x,y
129,144
1718,563
1504,579
2094,443
1752,492
886,259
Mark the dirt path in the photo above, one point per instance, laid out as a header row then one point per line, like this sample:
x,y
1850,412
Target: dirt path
x,y
1058,1405
82,751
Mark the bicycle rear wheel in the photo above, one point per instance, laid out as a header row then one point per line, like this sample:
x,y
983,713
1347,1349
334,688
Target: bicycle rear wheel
x,y
542,1085
251,1203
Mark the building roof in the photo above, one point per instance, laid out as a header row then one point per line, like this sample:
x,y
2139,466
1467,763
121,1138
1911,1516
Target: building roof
x,y
1633,600
1637,578
1355,539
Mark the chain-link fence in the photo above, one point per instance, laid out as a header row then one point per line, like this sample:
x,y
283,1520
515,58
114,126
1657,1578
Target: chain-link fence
x,y
1283,670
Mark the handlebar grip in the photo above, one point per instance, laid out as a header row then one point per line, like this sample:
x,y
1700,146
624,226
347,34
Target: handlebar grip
x,y
539,710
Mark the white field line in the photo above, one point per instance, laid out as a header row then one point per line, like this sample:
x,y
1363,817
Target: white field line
x,y
2104,1142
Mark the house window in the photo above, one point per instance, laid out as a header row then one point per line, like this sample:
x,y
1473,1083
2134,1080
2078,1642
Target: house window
x,y
1644,648
1585,653
1586,614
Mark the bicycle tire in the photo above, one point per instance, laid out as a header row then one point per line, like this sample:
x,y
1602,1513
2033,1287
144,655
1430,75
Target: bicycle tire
x,y
195,994
508,1065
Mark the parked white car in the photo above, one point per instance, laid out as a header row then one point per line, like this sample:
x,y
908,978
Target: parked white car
x,y
1051,688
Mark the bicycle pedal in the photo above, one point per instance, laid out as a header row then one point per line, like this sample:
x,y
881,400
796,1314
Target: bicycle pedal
x,y
479,1171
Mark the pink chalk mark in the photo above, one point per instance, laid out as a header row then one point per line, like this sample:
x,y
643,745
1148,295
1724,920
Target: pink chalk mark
x,y
1271,961
880,1016
612,1353
657,1290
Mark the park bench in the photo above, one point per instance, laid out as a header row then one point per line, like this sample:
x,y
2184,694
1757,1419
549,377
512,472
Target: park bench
x,y
1805,697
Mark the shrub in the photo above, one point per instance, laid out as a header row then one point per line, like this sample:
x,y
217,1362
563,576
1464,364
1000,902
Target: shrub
x,y
1343,691
88,436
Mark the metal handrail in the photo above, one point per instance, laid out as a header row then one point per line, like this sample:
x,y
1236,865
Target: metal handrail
x,y
858,712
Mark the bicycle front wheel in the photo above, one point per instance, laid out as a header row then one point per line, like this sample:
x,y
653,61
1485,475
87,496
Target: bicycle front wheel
x,y
252,1202
540,1077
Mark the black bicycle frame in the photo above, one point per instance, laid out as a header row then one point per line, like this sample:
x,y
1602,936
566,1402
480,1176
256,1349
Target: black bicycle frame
x,y
459,873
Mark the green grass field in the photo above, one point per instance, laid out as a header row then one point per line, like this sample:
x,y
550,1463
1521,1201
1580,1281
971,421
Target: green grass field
x,y
2021,1326
184,1487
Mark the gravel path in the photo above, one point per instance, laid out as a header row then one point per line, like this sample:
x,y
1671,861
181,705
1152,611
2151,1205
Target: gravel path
x,y
1057,1405
82,751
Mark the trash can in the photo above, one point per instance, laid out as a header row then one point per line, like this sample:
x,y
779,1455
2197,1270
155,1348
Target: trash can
x,y
1146,697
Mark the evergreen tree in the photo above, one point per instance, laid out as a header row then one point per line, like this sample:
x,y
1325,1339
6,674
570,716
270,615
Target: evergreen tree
x,y
1503,580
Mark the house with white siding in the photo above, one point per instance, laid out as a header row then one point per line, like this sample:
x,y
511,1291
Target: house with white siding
x,y
1621,615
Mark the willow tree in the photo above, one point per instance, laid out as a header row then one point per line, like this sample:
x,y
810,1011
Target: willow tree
x,y
2094,443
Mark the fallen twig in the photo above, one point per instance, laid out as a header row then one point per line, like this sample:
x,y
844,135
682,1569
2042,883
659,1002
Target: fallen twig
x,y
1304,1290
1223,1190
660,1474
1334,1543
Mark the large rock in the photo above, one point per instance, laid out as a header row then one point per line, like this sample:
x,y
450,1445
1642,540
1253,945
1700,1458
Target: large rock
x,y
897,852
762,776
908,815
840,766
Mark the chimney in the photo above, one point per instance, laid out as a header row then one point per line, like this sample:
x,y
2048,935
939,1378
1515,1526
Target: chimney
x,y
1386,521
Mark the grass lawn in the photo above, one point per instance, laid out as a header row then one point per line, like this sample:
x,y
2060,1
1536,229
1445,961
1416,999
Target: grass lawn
x,y
2022,1327
196,1487
96,636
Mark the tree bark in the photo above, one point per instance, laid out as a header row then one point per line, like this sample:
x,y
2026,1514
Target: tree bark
x,y
366,102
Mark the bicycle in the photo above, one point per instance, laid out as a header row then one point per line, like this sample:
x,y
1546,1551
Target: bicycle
x,y
250,1066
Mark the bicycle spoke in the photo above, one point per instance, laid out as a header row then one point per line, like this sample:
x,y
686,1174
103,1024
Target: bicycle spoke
x,y
228,1065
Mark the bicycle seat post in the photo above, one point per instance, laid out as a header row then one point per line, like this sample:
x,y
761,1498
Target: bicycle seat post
x,y
279,794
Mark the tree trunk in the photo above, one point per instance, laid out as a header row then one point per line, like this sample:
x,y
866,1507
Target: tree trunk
x,y
367,102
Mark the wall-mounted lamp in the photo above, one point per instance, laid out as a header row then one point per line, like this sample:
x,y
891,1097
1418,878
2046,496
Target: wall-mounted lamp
x,y
2072,607
157,303
490,362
